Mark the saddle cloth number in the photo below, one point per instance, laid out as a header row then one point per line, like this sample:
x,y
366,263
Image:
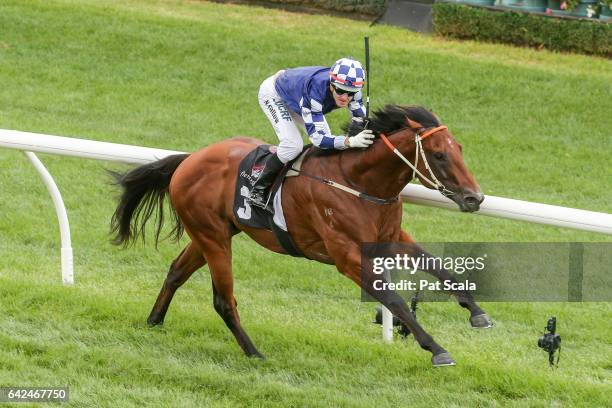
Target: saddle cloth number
x,y
244,212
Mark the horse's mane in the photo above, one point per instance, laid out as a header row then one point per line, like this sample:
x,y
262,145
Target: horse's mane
x,y
386,120
393,117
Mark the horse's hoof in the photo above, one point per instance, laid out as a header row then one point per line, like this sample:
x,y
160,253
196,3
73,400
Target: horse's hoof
x,y
482,321
257,355
153,323
442,360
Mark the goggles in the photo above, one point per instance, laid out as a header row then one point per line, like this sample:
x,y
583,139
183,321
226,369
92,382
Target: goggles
x,y
340,91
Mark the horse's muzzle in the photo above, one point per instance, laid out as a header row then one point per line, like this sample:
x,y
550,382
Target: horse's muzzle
x,y
470,202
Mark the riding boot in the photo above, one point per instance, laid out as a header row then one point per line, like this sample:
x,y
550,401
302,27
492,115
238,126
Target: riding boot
x,y
272,166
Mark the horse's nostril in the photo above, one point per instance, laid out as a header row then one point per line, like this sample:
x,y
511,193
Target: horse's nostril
x,y
472,200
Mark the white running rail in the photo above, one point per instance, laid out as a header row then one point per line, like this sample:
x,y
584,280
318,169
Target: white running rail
x,y
492,206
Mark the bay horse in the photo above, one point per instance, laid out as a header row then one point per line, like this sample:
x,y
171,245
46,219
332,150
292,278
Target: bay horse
x,y
327,224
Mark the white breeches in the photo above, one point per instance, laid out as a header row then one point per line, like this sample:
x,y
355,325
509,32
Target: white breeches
x,y
286,123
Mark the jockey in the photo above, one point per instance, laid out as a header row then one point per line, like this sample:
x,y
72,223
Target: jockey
x,y
297,99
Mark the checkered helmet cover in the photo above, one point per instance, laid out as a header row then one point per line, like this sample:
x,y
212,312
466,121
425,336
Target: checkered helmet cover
x,y
347,74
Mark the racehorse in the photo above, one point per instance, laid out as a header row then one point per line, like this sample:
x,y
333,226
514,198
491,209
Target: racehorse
x,y
327,224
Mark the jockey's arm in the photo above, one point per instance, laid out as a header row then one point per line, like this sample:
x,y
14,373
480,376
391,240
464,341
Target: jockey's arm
x,y
318,130
356,106
365,137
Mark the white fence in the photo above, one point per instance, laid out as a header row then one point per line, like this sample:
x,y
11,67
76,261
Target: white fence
x,y
492,206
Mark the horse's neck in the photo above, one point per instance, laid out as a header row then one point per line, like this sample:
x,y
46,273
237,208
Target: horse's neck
x,y
378,171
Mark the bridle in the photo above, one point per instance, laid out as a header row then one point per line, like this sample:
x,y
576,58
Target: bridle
x,y
420,152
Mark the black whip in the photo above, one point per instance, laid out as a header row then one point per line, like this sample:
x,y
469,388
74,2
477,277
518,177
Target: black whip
x,y
367,69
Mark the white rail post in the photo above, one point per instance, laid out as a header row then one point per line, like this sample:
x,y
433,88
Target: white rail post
x,y
62,217
387,317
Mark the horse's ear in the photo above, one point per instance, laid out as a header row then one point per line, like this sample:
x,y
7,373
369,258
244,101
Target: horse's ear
x,y
414,124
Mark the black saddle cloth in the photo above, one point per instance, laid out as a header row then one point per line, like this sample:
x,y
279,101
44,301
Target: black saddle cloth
x,y
252,216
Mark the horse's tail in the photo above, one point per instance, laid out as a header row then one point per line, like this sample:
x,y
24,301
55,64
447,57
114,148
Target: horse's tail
x,y
144,190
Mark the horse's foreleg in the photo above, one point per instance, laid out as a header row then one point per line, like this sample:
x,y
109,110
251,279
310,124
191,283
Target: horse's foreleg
x,y
181,269
348,262
478,318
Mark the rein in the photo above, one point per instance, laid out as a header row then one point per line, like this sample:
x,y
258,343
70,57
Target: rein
x,y
364,196
419,152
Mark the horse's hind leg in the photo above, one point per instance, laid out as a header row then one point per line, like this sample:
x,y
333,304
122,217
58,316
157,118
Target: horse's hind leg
x,y
215,240
219,263
478,317
181,269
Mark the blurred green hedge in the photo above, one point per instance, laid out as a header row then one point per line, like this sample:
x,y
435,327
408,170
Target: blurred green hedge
x,y
368,7
466,22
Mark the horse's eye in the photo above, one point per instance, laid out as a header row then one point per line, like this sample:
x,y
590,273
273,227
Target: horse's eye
x,y
439,156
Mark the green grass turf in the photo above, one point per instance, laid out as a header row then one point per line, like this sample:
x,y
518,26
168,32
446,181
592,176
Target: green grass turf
x,y
183,74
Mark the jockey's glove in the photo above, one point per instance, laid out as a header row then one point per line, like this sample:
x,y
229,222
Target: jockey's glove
x,y
362,139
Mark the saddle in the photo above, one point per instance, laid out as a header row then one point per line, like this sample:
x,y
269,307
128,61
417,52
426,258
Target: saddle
x,y
255,217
